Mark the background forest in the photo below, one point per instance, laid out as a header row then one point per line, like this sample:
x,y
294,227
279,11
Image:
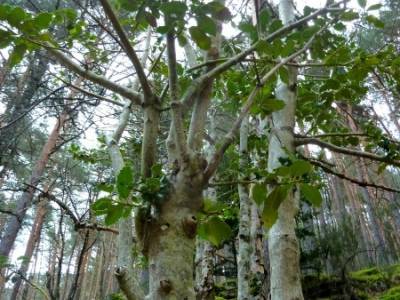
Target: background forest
x,y
227,149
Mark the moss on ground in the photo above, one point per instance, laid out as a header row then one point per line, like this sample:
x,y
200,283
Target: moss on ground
x,y
391,294
367,284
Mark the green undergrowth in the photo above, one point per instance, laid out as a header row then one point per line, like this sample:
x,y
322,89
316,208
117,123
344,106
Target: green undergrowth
x,y
377,283
391,294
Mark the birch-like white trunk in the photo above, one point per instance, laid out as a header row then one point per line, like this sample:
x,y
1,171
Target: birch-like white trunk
x,y
283,245
125,273
244,254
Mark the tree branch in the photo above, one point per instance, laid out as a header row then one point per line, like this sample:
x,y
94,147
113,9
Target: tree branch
x,y
91,94
353,180
334,148
199,82
77,223
176,106
87,74
148,94
230,136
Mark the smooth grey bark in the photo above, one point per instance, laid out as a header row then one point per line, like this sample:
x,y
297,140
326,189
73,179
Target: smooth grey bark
x,y
245,249
283,245
124,272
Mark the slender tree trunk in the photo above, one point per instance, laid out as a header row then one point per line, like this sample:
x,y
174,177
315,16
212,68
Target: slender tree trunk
x,y
15,222
81,263
244,254
67,272
284,249
34,238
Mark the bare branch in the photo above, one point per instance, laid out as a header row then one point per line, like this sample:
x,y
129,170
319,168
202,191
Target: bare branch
x,y
176,106
89,75
148,94
77,223
89,93
353,180
353,152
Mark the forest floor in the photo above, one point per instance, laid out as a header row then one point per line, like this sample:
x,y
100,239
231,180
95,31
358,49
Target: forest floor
x,y
375,283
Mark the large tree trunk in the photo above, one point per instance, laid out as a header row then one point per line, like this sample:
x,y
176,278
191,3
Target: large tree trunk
x,y
284,249
171,238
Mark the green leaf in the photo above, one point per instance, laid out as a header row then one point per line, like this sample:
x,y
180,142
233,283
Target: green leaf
x,y
275,25
339,26
212,206
349,16
375,21
248,28
16,16
5,39
353,140
124,182
43,20
129,5
214,230
259,193
282,171
174,9
362,3
375,7
115,213
182,40
284,75
17,54
271,105
101,206
105,187
3,259
219,11
5,9
207,25
272,203
163,29
156,170
311,193
300,167
264,18
200,38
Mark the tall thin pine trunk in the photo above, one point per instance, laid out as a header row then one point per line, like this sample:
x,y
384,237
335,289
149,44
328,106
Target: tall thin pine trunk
x,y
34,238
